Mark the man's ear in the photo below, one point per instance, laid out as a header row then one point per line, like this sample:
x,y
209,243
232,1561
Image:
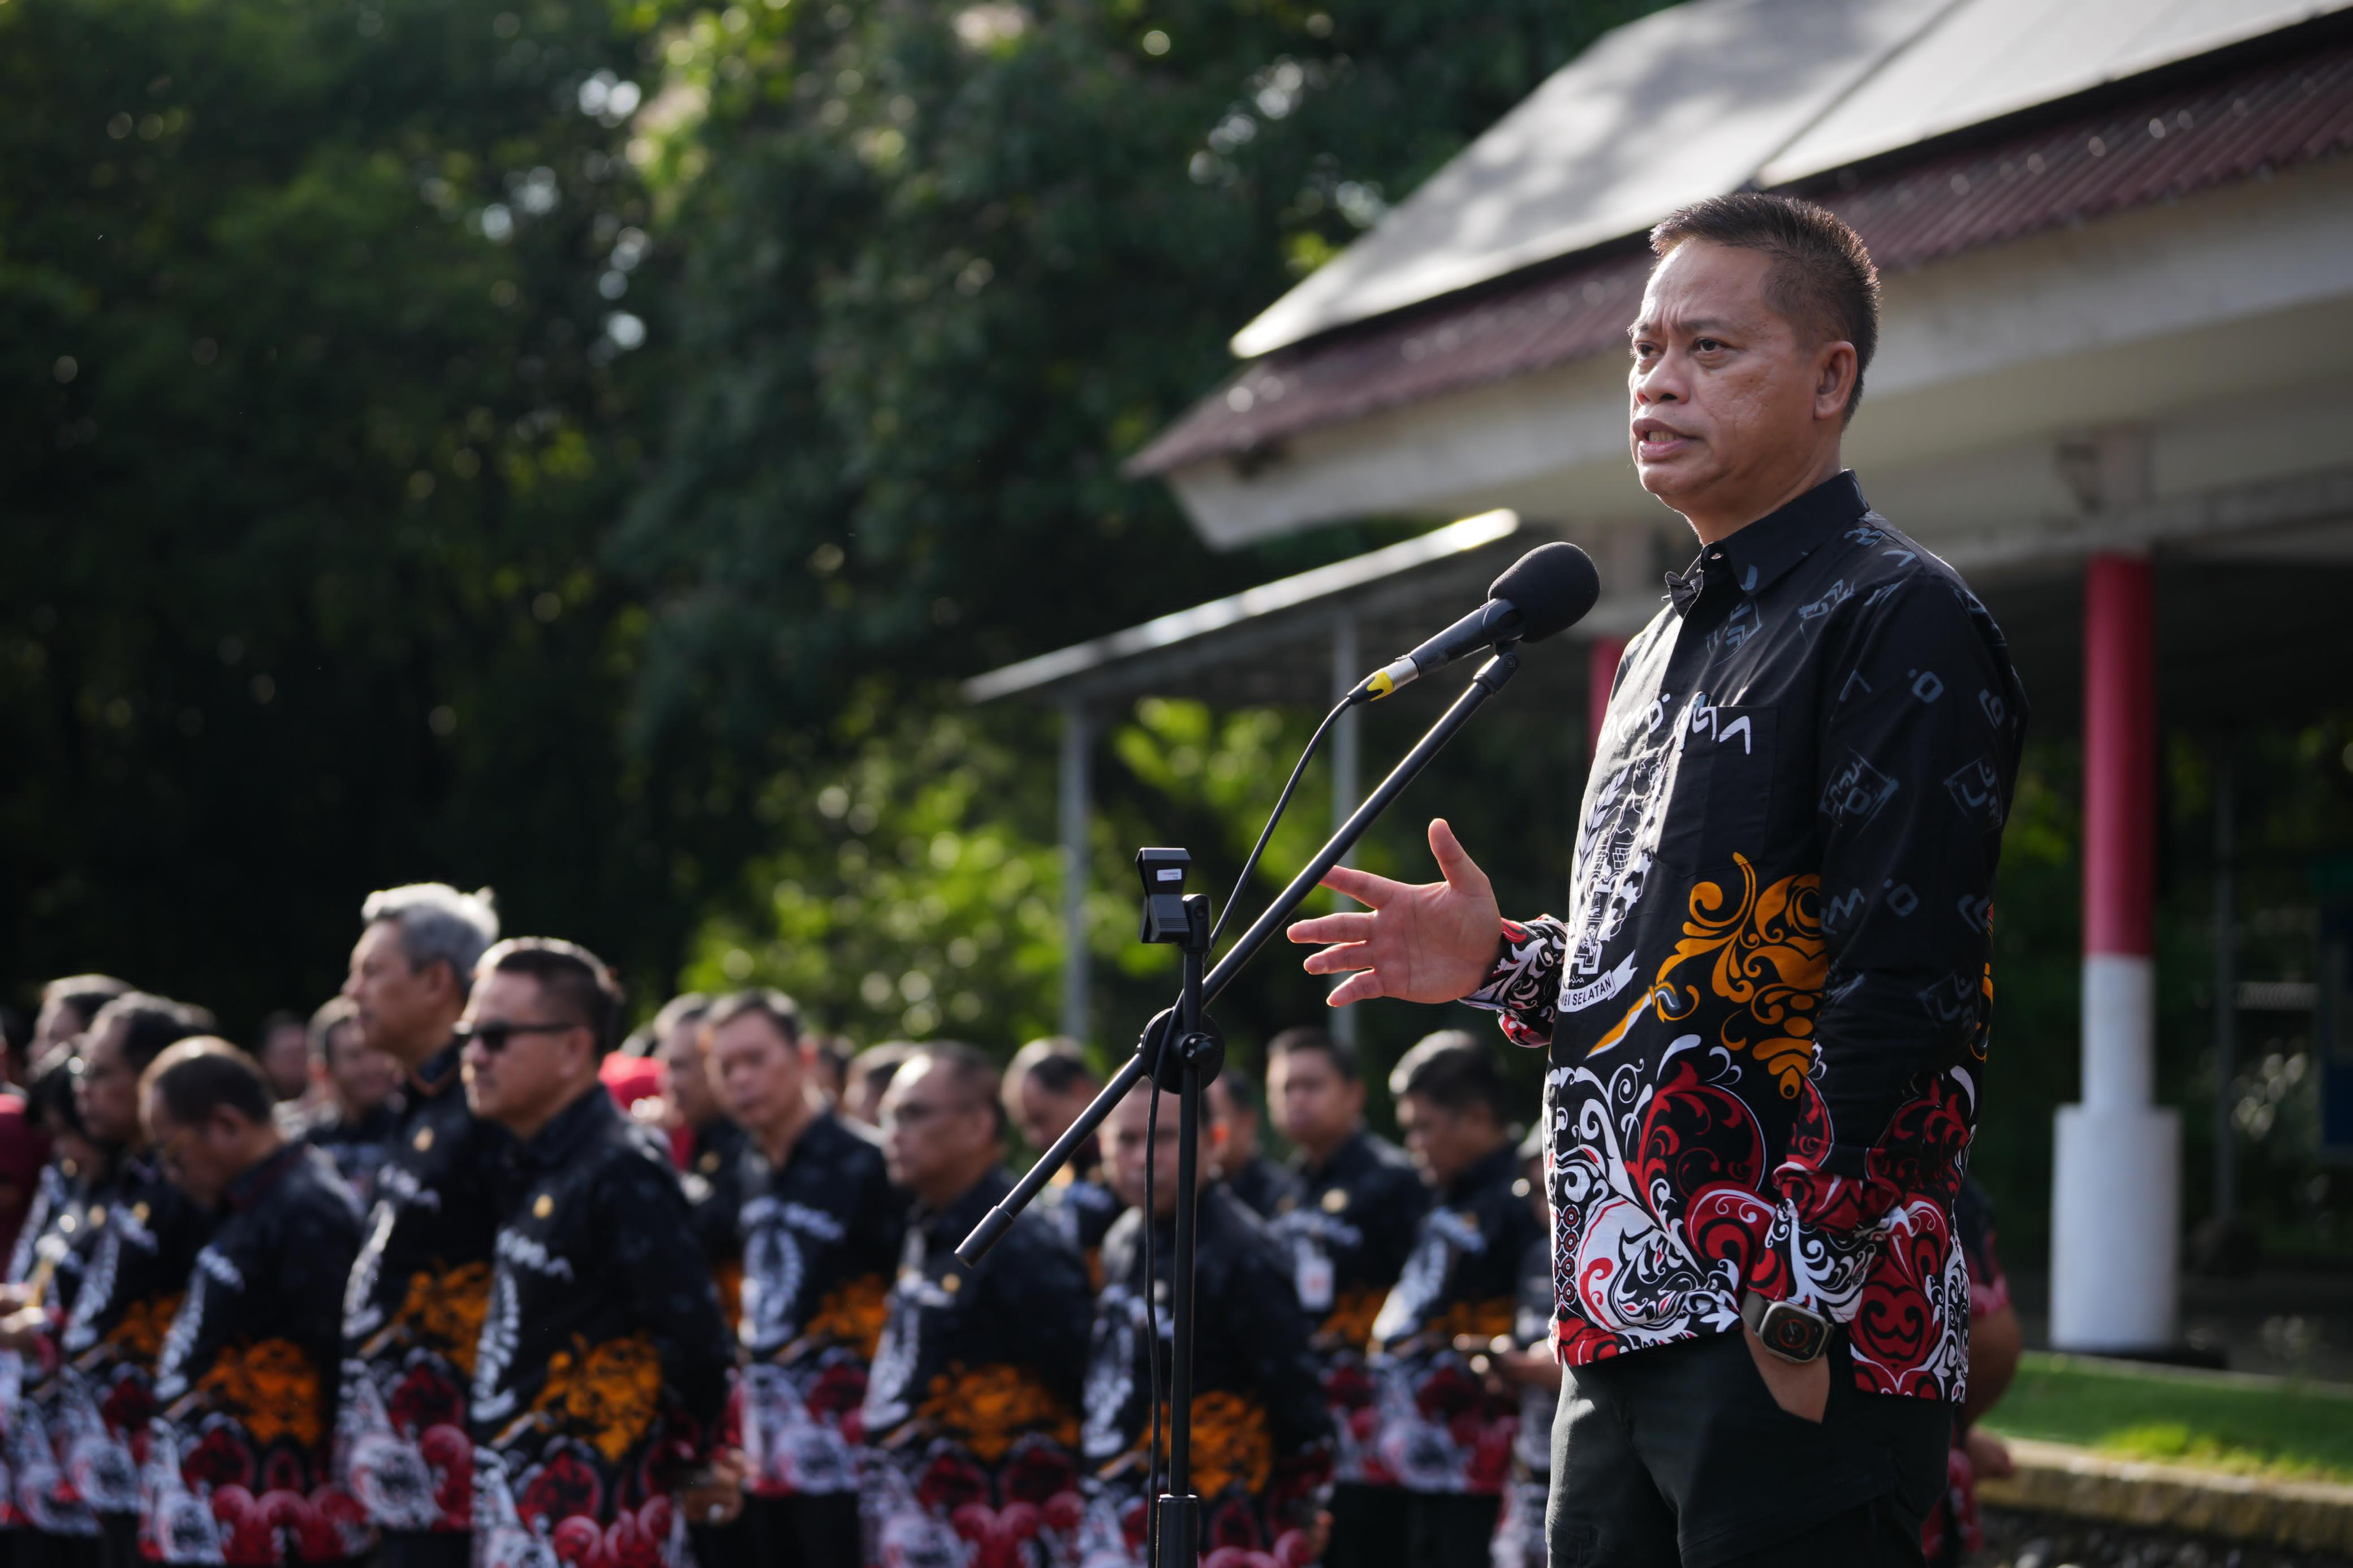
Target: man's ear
x,y
1835,369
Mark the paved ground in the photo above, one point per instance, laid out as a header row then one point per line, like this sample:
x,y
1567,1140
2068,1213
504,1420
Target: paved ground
x,y
2285,1321
2045,1541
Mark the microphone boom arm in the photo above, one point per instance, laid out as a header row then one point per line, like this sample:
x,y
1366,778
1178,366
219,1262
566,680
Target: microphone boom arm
x,y
1490,679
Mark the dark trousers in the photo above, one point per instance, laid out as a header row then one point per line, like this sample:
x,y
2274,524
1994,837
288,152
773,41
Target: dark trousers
x,y
425,1548
38,1548
1679,1458
118,1540
1383,1527
796,1533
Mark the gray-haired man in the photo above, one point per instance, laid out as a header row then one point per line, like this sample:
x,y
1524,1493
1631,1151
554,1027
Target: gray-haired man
x,y
418,1294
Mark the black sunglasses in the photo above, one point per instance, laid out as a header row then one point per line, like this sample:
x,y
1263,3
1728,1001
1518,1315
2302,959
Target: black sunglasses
x,y
495,1035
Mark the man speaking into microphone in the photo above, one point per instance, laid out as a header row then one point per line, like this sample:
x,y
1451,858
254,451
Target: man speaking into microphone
x,y
1766,1001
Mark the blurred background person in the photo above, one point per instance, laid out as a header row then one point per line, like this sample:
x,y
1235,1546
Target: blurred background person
x,y
1047,1084
1445,1437
703,1139
1525,1367
414,1310
601,1377
68,1005
868,1078
820,1229
149,1233
972,1408
50,1524
246,1382
288,1065
1349,1228
1951,1533
1261,1438
1249,1174
830,1058
356,1123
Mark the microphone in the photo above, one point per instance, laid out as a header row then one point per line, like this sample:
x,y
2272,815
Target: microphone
x,y
1548,590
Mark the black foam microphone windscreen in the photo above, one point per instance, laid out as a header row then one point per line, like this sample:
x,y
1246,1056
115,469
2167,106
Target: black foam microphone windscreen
x,y
1551,586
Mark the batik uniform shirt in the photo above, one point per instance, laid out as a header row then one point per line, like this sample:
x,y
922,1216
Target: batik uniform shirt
x,y
1261,1436
359,1146
147,1234
413,1310
1520,1541
1081,1206
602,1374
1766,1007
52,1253
1439,1428
710,1160
972,1409
1952,1533
1260,1185
820,1243
239,1464
1350,1227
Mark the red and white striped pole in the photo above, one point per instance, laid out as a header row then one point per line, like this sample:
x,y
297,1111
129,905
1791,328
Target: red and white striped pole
x,y
2117,1199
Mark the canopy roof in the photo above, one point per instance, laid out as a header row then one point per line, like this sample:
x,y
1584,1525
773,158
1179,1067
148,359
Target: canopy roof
x,y
1714,95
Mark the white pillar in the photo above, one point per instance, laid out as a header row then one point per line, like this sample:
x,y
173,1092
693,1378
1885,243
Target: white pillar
x,y
2115,1205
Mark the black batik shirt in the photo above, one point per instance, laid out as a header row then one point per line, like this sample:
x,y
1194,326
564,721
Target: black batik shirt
x,y
1081,1203
713,1181
1350,1226
146,1236
1766,1007
972,1408
602,1374
413,1311
1260,1435
238,1461
820,1240
359,1145
1261,1185
1439,1428
52,1253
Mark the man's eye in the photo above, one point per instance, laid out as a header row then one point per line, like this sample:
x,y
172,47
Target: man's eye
x,y
1705,345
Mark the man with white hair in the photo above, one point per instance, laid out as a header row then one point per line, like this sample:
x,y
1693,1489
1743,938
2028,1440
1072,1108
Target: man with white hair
x,y
418,1294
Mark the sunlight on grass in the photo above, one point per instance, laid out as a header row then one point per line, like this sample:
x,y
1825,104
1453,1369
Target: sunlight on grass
x,y
2283,1429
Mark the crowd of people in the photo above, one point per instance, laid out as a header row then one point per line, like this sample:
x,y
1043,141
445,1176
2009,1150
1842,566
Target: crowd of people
x,y
456,1275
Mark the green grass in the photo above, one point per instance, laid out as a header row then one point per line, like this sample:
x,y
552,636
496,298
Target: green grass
x,y
2283,1428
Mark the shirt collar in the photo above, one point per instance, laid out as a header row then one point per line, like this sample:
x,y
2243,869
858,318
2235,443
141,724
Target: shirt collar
x,y
1751,558
591,1113
439,1073
246,1188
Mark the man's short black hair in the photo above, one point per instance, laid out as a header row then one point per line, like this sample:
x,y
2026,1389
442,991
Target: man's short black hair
x,y
871,1069
150,1025
783,1013
52,1097
1058,1062
1309,1037
1822,279
195,1078
575,979
1454,1072
972,1073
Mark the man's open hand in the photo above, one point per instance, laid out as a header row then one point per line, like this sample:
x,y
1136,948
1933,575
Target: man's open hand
x,y
1432,941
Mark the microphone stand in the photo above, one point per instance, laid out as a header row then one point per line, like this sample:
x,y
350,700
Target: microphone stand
x,y
1198,1054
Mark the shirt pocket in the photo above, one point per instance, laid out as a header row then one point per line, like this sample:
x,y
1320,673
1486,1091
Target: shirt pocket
x,y
1724,798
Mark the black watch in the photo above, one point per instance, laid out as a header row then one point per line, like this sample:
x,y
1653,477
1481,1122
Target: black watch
x,y
1790,1331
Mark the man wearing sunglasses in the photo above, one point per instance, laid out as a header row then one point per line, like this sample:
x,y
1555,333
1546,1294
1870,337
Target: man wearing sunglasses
x,y
413,1308
601,1377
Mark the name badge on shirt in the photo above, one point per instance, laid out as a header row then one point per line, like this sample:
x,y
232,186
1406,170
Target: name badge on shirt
x,y
1311,1276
